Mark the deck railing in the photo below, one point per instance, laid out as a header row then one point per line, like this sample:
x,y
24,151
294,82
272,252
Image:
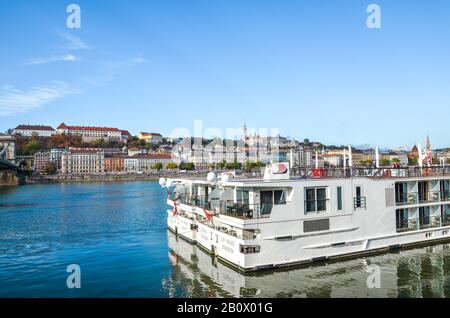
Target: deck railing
x,y
409,225
359,202
189,199
230,208
406,198
431,196
433,221
434,196
246,211
445,196
445,219
382,172
413,197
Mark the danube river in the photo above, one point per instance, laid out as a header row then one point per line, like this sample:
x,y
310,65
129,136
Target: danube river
x,y
116,233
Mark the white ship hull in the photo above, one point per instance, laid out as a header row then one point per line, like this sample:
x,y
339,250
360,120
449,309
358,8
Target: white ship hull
x,y
296,251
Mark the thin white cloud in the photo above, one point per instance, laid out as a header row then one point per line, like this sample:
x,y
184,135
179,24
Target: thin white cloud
x,y
124,64
73,42
15,101
112,70
99,80
137,60
46,60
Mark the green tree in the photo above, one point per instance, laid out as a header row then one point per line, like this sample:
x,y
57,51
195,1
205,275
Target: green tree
x,y
250,165
385,162
366,163
172,166
49,168
259,164
435,161
413,161
235,165
27,167
187,166
222,165
31,147
99,143
158,166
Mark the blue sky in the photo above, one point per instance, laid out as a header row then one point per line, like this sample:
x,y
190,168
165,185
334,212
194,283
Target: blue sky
x,y
311,69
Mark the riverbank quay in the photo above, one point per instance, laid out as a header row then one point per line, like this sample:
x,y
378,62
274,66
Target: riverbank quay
x,y
59,178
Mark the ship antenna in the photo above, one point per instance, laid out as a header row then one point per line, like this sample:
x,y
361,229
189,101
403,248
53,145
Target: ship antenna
x,y
377,158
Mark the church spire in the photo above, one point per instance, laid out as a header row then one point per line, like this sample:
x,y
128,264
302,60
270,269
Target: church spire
x,y
244,131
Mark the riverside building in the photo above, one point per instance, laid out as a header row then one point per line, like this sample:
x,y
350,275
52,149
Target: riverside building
x,y
83,161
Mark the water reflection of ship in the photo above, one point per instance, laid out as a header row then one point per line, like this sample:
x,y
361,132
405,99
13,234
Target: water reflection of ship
x,y
409,273
426,274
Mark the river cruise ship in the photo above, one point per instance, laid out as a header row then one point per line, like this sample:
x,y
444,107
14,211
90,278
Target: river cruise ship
x,y
286,217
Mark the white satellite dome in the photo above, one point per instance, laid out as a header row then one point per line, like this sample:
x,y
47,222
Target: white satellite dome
x,y
162,182
169,183
211,177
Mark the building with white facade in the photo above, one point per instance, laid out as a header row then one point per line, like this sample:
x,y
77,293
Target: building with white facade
x,y
131,164
34,130
146,162
83,161
90,133
152,138
41,159
125,135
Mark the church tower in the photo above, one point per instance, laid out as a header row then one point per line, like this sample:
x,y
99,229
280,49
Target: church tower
x,y
244,132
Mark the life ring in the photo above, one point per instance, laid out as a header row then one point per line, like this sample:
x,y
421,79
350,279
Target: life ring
x,y
387,173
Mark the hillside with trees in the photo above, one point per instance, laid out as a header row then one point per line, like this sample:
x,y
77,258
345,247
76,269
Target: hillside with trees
x,y
28,146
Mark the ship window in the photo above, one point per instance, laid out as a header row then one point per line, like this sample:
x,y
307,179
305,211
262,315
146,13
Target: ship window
x,y
445,215
279,197
271,198
401,192
423,191
424,217
316,200
359,201
266,202
242,196
250,249
402,220
445,189
339,198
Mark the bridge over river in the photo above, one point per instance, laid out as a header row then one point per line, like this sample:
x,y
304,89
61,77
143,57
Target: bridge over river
x,y
10,172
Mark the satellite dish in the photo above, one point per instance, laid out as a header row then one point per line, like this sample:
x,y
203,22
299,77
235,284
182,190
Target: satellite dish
x,y
162,182
211,177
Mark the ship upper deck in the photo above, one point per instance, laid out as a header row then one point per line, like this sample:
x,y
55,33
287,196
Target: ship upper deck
x,y
311,174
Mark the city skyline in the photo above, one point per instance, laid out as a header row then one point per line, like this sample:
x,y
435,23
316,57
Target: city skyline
x,y
311,71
